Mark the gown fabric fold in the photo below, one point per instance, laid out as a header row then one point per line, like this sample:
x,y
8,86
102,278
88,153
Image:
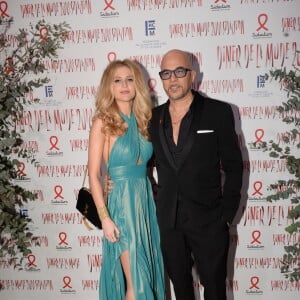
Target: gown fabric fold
x,y
132,208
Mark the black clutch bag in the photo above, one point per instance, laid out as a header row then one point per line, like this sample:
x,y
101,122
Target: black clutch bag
x,y
86,205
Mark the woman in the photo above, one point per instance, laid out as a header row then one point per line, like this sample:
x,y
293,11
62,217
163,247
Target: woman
x,y
132,267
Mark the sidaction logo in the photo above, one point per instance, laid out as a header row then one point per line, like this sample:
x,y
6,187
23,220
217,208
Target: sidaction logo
x,y
109,10
31,264
254,289
21,174
67,287
63,244
255,243
220,5
59,199
262,31
257,194
54,150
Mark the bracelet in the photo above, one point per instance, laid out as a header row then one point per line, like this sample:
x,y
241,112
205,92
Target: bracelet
x,y
102,212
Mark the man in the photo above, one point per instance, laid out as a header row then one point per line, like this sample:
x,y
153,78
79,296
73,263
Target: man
x,y
194,142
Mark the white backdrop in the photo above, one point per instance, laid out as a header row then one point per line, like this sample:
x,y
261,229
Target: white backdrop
x,y
235,42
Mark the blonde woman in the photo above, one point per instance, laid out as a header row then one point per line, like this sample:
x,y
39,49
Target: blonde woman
x,y
132,267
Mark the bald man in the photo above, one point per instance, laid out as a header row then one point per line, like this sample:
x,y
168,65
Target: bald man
x,y
194,139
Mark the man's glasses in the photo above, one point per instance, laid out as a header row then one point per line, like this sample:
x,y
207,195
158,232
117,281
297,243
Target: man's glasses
x,y
178,72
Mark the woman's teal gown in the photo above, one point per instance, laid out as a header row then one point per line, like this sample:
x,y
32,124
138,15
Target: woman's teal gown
x,y
131,207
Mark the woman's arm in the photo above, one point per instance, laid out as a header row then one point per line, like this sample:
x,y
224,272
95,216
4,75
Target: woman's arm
x,y
96,152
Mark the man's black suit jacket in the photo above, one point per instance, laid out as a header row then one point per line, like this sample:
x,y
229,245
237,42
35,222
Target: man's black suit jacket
x,y
211,149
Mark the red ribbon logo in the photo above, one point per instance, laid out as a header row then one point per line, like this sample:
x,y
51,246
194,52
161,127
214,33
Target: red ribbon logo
x,y
108,5
152,84
254,282
62,237
3,9
58,192
255,237
111,56
21,169
44,33
31,260
257,185
53,141
259,133
262,21
67,281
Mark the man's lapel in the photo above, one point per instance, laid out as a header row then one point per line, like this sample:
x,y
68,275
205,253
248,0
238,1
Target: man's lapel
x,y
197,112
197,108
163,139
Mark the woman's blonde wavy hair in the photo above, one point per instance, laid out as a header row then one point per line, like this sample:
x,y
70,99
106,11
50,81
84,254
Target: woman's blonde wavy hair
x,y
107,108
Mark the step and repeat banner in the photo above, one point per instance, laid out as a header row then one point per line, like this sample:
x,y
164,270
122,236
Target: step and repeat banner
x,y
234,43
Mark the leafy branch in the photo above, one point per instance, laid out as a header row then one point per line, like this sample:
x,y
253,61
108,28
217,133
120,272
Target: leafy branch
x,y
288,189
21,72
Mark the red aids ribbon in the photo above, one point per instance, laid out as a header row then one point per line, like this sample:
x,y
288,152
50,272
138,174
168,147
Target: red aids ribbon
x,y
67,281
21,169
58,192
259,133
3,9
108,5
53,141
254,282
111,56
257,185
262,21
31,260
63,237
152,84
255,237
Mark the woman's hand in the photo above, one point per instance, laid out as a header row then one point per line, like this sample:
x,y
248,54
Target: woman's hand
x,y
110,230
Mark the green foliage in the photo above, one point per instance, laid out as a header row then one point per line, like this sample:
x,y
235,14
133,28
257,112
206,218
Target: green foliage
x,y
288,189
21,72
